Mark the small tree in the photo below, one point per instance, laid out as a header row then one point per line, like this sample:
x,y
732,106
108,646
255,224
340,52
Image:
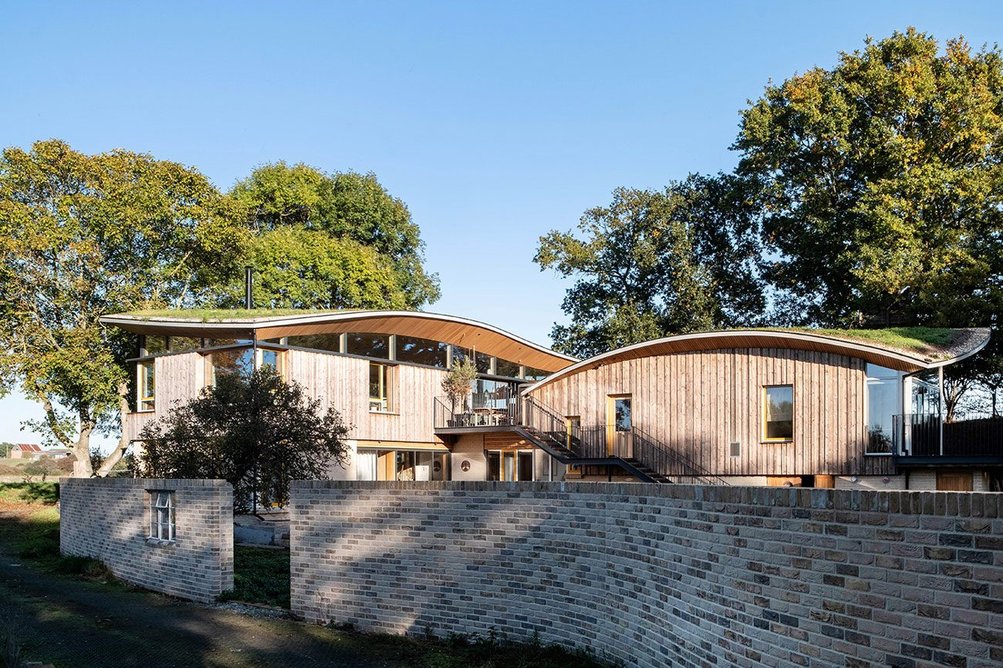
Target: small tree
x,y
257,433
457,382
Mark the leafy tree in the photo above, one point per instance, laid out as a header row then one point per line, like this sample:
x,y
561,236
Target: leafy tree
x,y
348,207
657,263
257,433
86,235
5,449
301,268
881,186
456,383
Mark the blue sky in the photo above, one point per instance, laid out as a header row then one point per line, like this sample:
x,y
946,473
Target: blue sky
x,y
494,122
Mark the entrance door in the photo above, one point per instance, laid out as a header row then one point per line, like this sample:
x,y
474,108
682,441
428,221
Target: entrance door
x,y
618,426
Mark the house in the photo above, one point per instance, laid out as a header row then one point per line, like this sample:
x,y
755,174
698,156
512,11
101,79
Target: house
x,y
57,453
761,407
382,370
26,451
770,407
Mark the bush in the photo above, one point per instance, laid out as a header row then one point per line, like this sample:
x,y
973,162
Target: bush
x,y
257,433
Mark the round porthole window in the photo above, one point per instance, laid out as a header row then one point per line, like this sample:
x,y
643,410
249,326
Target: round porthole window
x,y
465,465
437,466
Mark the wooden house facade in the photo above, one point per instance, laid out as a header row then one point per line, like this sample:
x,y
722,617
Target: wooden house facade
x,y
763,407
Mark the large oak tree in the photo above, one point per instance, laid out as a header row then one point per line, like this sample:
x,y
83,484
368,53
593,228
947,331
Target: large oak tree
x,y
86,235
881,184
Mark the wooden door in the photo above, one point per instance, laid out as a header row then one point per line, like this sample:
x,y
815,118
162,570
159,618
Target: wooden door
x,y
954,481
619,423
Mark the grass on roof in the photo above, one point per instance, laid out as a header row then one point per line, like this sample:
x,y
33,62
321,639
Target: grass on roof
x,y
207,314
906,339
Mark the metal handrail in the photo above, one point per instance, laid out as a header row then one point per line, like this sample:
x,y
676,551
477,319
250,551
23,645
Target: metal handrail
x,y
665,460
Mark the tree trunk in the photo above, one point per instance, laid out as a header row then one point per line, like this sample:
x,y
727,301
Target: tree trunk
x,y
115,455
82,452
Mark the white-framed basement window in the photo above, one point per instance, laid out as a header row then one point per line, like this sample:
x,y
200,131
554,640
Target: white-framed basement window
x,y
161,515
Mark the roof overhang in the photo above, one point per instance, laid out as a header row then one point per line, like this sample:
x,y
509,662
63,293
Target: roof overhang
x,y
743,339
438,327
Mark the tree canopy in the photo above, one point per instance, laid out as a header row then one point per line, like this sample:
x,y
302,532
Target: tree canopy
x,y
258,433
880,184
345,207
656,263
86,235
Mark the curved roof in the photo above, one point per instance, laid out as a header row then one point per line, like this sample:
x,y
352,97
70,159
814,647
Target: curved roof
x,y
972,341
262,325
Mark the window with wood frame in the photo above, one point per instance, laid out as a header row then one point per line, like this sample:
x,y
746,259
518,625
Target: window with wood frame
x,y
510,465
381,387
146,386
778,413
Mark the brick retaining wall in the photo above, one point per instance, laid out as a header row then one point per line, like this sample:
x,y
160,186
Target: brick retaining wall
x,y
109,519
659,575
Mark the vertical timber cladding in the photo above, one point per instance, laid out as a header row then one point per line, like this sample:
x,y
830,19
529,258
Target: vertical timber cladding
x,y
179,377
342,382
698,403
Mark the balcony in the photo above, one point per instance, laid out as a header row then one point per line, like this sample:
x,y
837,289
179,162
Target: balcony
x,y
450,420
926,439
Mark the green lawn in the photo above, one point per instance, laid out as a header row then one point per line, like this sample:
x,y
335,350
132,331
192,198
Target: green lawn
x,y
260,575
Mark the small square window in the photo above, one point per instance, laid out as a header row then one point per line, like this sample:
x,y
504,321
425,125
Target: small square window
x,y
778,413
161,515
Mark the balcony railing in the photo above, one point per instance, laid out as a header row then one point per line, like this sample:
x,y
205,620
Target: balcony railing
x,y
920,436
445,416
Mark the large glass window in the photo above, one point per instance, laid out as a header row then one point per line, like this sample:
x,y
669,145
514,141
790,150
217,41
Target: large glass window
x,y
883,404
482,362
925,394
239,361
536,374
155,345
328,342
778,413
146,385
380,387
460,354
369,345
421,351
180,344
506,368
510,465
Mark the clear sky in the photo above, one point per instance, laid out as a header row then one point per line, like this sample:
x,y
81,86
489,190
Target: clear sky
x,y
495,122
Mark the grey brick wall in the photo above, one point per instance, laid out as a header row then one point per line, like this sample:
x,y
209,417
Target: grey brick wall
x,y
660,575
108,519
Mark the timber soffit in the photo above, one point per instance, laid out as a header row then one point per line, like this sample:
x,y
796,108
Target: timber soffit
x,y
974,341
449,329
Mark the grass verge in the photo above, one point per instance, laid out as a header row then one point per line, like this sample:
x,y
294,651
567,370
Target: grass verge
x,y
260,576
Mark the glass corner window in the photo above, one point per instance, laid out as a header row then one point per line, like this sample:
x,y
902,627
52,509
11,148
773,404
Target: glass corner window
x,y
778,413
